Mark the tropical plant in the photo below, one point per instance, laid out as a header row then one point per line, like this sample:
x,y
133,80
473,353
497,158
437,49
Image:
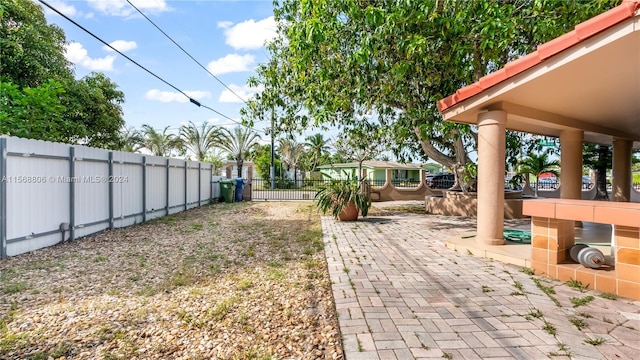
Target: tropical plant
x,y
238,143
317,149
131,140
160,143
338,194
199,139
290,153
536,164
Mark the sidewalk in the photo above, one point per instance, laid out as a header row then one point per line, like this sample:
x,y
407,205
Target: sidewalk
x,y
401,294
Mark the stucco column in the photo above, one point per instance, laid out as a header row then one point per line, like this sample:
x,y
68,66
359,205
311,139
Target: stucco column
x,y
621,174
491,158
388,176
571,164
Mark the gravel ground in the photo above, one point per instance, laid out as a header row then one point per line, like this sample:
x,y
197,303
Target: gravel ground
x,y
228,281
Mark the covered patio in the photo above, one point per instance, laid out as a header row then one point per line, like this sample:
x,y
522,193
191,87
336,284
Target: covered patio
x,y
581,87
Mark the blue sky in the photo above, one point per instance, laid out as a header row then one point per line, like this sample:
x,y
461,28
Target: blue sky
x,y
225,36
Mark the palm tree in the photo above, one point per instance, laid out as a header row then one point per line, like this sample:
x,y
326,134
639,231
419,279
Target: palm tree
x,y
290,153
160,143
536,165
317,146
130,139
199,140
238,143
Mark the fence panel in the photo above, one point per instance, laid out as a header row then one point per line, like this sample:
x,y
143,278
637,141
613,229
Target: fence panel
x,y
52,192
127,193
91,188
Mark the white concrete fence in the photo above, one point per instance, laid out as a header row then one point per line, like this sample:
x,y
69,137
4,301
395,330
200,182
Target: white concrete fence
x,y
51,192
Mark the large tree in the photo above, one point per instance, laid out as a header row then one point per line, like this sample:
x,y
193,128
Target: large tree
x,y
31,51
160,143
337,62
317,149
199,139
238,143
38,82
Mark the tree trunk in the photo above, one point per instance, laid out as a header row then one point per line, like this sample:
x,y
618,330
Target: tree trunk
x,y
601,185
456,164
239,162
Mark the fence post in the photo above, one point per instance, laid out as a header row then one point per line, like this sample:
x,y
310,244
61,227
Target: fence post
x,y
199,184
211,184
3,198
144,189
186,169
167,188
72,193
110,190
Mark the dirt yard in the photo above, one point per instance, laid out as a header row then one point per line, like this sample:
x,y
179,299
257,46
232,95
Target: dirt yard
x,y
228,281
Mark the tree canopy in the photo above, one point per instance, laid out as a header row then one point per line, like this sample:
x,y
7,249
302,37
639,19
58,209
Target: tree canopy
x,y
39,96
342,62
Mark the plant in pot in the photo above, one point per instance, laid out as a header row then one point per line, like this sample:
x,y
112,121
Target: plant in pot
x,y
344,198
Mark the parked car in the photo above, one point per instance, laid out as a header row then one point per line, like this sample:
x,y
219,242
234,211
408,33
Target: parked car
x,y
441,181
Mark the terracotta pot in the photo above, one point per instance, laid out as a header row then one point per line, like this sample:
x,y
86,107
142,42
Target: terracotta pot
x,y
349,213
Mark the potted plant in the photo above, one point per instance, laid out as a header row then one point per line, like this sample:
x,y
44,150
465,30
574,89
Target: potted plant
x,y
344,198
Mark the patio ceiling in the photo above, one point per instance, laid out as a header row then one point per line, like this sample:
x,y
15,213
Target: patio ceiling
x,y
587,79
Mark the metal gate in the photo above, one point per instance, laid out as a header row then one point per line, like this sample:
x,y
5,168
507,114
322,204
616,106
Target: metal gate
x,y
285,189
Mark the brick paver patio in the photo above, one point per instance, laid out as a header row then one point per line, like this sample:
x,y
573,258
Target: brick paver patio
x,y
400,294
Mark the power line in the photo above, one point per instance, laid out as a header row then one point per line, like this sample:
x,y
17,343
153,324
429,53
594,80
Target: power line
x,y
186,52
193,101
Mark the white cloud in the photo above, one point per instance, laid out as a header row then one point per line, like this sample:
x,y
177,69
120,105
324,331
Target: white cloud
x,y
169,96
224,24
231,63
122,8
78,55
121,45
244,92
66,9
249,34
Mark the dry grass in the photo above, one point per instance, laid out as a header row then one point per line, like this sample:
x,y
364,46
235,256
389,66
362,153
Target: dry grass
x,y
233,281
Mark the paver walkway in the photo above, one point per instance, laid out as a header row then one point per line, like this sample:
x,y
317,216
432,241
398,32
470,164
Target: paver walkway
x,y
400,294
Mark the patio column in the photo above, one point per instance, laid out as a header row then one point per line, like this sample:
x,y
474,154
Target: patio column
x,y
571,163
388,176
491,158
621,174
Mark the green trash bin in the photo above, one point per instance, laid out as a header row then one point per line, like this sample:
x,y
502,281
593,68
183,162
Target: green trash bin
x,y
227,190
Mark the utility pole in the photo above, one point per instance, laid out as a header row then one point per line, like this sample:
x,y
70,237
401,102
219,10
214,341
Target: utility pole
x,y
273,162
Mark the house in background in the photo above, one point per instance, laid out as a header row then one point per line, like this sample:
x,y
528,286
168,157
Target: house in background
x,y
375,172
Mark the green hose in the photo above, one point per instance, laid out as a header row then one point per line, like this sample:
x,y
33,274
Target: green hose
x,y
520,236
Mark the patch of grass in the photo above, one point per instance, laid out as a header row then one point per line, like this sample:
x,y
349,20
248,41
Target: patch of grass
x,y
518,285
607,320
14,288
578,285
545,289
277,274
526,271
584,315
446,355
534,313
581,301
608,296
596,341
578,323
486,289
245,284
100,258
549,328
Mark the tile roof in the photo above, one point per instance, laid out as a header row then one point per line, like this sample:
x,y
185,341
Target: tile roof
x,y
580,33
